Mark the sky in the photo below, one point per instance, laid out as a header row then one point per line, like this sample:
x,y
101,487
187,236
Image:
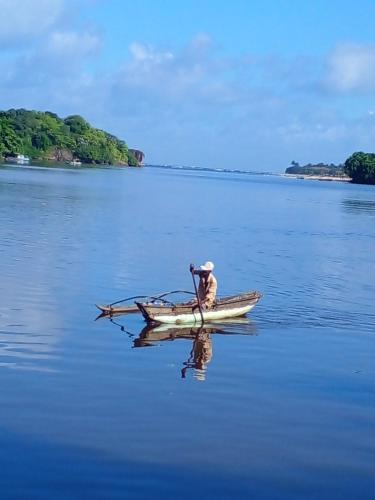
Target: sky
x,y
246,84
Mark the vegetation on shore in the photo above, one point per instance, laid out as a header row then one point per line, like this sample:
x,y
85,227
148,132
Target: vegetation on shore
x,y
43,135
361,167
319,169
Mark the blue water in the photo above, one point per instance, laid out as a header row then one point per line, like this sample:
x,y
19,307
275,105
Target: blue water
x,y
279,407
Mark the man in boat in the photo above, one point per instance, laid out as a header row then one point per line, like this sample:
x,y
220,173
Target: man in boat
x,y
207,284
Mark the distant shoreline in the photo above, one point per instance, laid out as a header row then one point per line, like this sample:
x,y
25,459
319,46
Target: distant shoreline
x,y
251,172
318,177
55,164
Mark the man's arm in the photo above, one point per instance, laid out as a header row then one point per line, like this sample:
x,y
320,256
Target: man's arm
x,y
198,272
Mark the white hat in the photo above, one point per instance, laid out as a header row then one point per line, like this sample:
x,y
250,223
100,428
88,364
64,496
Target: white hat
x,y
208,266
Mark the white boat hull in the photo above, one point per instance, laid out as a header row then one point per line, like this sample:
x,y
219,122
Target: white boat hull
x,y
191,318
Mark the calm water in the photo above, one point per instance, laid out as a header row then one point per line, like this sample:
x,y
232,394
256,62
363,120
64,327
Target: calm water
x,y
279,407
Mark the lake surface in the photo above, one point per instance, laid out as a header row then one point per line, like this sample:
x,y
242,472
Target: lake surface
x,y
279,407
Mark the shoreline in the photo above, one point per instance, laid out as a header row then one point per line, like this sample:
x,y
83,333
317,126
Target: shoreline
x,y
318,177
62,164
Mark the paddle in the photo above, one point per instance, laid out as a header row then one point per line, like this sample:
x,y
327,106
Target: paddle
x,y
196,291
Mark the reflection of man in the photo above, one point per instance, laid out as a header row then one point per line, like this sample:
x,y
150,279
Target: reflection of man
x,y
200,354
207,284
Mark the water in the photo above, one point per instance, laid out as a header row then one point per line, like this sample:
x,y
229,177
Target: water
x,y
279,407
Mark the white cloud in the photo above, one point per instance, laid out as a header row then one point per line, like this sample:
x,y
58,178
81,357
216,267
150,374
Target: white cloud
x,y
351,67
26,18
145,54
72,44
180,77
61,57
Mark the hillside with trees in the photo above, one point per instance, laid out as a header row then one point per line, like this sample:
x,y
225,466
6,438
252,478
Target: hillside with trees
x,y
43,135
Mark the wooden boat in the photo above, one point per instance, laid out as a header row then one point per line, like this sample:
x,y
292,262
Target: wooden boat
x,y
188,313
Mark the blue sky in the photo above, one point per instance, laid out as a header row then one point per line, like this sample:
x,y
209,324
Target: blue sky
x,y
241,84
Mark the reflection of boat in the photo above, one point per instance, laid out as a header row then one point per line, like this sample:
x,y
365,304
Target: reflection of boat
x,y
185,313
201,351
19,159
152,335
200,336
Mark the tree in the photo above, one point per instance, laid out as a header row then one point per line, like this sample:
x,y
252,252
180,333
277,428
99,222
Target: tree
x,y
77,124
40,140
10,143
361,167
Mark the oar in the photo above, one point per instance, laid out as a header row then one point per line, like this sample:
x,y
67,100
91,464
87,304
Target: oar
x,y
196,292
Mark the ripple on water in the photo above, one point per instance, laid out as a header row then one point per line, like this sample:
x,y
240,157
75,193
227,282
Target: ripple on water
x,y
356,206
26,351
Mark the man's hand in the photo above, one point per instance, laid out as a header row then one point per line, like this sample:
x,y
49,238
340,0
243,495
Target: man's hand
x,y
191,268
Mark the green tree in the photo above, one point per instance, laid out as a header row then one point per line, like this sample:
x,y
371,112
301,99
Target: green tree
x,y
77,124
361,167
10,143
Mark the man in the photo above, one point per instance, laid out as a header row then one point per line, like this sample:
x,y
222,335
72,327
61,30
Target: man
x,y
207,284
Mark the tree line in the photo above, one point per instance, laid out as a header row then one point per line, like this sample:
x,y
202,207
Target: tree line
x,y
316,169
43,135
359,166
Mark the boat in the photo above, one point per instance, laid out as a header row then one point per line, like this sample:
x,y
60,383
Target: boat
x,y
75,162
157,310
189,313
19,159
